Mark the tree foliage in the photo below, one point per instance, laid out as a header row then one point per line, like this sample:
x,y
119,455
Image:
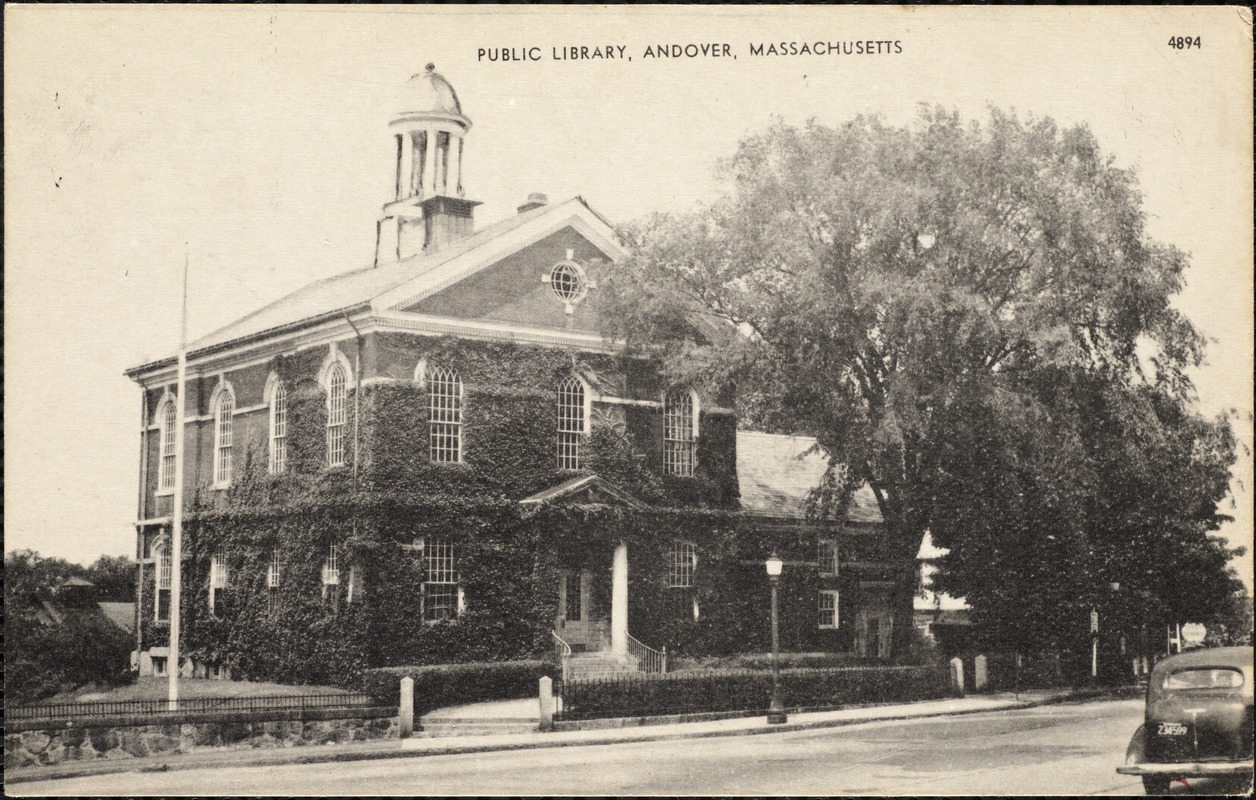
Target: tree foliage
x,y
972,318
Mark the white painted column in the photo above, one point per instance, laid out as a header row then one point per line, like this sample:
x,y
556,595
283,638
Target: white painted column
x,y
429,165
619,600
406,165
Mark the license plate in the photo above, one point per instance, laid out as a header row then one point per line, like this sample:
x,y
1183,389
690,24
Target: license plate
x,y
1172,729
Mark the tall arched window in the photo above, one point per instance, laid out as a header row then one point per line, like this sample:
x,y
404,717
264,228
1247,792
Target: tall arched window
x,y
167,415
444,391
571,422
161,606
678,433
336,415
223,437
278,428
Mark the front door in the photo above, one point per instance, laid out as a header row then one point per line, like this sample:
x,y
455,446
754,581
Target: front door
x,y
578,623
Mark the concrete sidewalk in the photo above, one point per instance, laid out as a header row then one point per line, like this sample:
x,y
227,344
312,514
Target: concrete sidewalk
x,y
741,726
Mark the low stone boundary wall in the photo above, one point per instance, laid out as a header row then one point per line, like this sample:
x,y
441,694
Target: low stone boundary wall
x,y
121,738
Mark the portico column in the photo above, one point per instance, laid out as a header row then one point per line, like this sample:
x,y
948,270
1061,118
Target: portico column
x,y
619,600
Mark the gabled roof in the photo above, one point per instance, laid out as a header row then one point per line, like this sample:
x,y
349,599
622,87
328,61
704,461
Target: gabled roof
x,y
591,484
387,285
775,477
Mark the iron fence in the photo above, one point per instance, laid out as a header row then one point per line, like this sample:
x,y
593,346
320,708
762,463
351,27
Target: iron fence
x,y
162,708
639,695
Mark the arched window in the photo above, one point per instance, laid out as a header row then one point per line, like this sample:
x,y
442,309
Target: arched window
x,y
167,415
571,422
336,415
444,391
678,433
222,437
278,428
161,553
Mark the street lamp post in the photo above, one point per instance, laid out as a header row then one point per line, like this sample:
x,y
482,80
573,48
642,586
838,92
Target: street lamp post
x,y
776,714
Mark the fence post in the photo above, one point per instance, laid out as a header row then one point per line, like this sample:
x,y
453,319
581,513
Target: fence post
x,y
957,675
979,673
546,697
664,659
405,711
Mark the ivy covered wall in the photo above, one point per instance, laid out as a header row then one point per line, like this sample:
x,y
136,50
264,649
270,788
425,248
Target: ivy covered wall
x,y
389,495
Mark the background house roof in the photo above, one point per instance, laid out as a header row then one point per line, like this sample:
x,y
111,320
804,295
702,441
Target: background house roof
x,y
120,614
775,477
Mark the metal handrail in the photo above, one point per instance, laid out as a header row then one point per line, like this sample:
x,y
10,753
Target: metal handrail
x,y
563,651
648,659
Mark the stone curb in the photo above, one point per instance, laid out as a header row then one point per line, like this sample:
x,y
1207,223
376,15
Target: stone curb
x,y
534,741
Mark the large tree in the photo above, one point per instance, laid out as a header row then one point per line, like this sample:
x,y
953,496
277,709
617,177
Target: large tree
x,y
912,296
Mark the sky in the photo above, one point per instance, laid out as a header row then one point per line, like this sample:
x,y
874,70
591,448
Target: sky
x,y
252,142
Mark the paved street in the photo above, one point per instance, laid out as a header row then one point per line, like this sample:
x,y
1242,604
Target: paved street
x,y
1070,749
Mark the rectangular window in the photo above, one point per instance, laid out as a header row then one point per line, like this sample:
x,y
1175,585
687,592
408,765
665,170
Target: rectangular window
x,y
826,556
217,581
159,665
337,416
441,595
163,584
828,608
683,564
272,582
678,435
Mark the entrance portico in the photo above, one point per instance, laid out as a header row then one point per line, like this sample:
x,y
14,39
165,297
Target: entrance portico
x,y
582,620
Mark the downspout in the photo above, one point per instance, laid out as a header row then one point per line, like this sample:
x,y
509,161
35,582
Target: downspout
x,y
139,531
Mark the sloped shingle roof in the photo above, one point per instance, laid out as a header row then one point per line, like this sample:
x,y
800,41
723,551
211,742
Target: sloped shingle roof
x,y
120,614
353,288
775,477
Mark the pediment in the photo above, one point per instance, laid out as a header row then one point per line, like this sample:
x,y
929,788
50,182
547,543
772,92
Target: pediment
x,y
584,490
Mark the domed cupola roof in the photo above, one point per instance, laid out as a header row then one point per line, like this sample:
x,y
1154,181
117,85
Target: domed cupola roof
x,y
428,92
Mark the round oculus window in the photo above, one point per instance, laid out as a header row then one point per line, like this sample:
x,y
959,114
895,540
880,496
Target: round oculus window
x,y
567,281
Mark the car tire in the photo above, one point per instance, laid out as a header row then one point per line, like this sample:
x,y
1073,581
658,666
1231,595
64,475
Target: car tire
x,y
1155,785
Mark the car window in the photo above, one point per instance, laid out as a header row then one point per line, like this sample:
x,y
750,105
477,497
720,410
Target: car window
x,y
1204,679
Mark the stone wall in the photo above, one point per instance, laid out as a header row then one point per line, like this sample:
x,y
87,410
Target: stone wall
x,y
47,747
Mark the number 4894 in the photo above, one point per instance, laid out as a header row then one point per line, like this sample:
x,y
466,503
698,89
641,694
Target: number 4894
x,y
1185,42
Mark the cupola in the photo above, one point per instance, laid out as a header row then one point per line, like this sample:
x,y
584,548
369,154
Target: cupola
x,y
429,209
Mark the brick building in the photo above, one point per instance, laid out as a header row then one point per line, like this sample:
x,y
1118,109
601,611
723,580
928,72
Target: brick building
x,y
440,457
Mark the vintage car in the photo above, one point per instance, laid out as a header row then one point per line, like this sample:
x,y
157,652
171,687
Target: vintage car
x,y
1198,720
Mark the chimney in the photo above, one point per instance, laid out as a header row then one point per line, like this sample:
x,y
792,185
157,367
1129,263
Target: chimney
x,y
535,200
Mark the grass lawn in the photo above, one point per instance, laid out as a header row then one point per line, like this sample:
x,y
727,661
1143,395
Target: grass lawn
x,y
189,688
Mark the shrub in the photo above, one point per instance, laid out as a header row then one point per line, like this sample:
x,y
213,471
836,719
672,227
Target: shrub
x,y
440,685
748,690
85,649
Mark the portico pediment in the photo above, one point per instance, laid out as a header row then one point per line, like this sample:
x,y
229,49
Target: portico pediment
x,y
584,490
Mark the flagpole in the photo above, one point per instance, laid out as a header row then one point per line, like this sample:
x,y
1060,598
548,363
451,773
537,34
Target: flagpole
x,y
176,550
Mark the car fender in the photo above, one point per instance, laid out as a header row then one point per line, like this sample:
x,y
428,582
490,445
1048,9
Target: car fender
x,y
1136,753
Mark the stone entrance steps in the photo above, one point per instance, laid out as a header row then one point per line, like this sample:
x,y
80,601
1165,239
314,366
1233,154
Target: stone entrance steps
x,y
481,719
601,666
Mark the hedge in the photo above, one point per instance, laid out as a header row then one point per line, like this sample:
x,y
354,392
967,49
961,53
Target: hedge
x,y
750,690
440,685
